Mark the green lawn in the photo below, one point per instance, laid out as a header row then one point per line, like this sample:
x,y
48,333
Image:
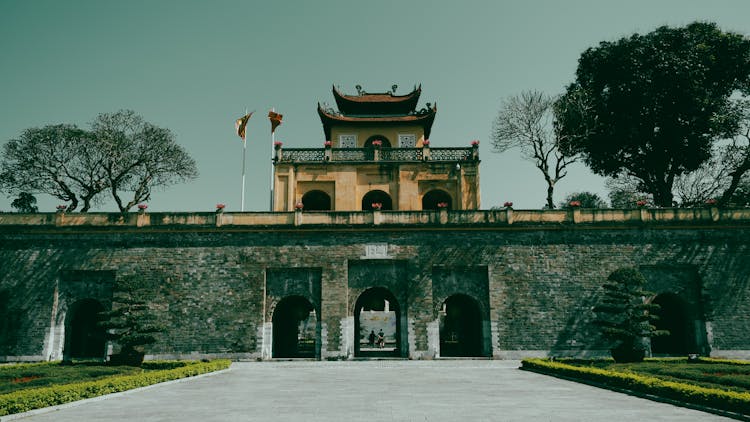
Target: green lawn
x,y
718,386
26,387
730,376
26,376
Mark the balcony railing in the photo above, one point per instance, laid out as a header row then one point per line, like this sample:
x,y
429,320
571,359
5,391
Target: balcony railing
x,y
315,155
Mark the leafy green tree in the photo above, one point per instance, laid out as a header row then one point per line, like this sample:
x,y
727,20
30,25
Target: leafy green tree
x,y
525,122
122,154
25,203
587,200
624,315
131,323
58,160
656,103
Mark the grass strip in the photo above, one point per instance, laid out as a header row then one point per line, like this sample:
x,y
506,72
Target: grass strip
x,y
35,398
712,398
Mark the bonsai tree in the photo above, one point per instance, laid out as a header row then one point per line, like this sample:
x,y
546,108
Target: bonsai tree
x,y
131,323
624,316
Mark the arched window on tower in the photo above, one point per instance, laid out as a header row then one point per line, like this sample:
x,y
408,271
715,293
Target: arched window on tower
x,y
316,200
384,142
377,197
431,199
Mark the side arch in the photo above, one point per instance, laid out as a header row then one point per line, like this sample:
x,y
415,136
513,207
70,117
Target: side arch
x,y
461,328
296,329
674,316
84,339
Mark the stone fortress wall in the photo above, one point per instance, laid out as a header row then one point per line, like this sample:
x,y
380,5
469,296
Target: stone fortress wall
x,y
220,277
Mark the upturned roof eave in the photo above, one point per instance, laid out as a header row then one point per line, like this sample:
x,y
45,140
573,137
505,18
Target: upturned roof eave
x,y
425,120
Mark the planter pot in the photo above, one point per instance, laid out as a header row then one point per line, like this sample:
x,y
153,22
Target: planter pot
x,y
128,358
628,354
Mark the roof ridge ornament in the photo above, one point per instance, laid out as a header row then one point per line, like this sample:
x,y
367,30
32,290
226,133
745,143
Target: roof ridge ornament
x,y
394,87
359,90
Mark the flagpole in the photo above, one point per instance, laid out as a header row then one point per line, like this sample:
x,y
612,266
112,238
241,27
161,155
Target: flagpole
x,y
244,150
271,180
244,153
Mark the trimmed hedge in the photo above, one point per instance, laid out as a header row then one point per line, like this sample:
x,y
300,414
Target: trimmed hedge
x,y
25,400
709,397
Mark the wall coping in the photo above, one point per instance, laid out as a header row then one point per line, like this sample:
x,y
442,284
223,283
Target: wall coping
x,y
364,219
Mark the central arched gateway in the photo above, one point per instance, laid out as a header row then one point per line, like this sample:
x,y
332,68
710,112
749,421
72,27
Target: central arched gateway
x,y
377,324
84,339
460,327
295,329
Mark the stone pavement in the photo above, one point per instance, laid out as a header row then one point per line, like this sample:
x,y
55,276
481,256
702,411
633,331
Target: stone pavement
x,y
446,390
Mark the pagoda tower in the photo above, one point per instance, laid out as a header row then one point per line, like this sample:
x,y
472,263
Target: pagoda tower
x,y
376,152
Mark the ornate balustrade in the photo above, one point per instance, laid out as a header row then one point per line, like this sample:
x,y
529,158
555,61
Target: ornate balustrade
x,y
314,155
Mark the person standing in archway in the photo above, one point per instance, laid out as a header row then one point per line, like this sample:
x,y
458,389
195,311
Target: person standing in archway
x,y
371,338
381,339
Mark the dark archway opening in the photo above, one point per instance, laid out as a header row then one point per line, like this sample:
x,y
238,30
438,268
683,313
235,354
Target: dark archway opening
x,y
384,142
377,324
295,328
460,327
431,199
316,200
379,197
673,317
84,339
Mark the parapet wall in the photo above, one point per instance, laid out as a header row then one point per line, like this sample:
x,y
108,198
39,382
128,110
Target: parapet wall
x,y
504,217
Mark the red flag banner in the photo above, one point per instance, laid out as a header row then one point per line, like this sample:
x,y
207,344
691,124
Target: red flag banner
x,y
275,120
241,123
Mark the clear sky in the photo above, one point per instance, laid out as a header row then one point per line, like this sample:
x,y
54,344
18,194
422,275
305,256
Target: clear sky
x,y
195,66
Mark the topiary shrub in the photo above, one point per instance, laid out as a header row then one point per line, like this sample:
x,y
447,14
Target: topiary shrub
x,y
624,316
131,323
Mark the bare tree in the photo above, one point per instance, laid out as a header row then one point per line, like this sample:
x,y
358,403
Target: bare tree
x,y
526,122
139,157
737,154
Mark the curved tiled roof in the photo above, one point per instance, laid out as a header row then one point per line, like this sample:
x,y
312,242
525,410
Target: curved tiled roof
x,y
377,103
424,118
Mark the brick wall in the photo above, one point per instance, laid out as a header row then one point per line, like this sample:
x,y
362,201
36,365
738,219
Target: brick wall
x,y
536,284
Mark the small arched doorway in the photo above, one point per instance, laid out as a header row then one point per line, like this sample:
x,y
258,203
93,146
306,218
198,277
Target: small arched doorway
x,y
431,199
460,327
377,324
84,339
316,200
379,197
295,329
673,316
384,142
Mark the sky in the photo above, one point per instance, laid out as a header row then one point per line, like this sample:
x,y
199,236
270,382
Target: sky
x,y
196,66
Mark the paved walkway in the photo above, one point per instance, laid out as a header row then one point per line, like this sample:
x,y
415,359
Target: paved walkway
x,y
457,390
